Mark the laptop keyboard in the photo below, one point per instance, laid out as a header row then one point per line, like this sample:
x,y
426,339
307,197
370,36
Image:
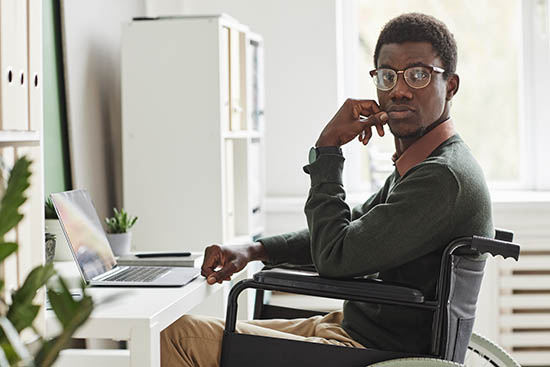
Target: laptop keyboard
x,y
139,274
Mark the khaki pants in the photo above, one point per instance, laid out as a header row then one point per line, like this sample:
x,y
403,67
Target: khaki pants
x,y
196,340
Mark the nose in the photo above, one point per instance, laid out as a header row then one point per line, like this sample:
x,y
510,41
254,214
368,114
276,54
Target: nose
x,y
401,89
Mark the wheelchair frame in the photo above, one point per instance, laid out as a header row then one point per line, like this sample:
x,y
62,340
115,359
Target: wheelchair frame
x,y
243,350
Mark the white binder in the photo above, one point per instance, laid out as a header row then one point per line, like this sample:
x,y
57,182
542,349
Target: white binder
x,y
13,56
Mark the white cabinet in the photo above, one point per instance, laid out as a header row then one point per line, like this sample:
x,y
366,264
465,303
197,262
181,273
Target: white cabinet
x,y
192,126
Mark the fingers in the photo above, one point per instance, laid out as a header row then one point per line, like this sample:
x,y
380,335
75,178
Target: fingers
x,y
213,257
216,256
377,120
223,274
365,107
365,135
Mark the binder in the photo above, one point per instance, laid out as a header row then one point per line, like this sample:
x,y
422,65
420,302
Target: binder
x,y
13,60
35,255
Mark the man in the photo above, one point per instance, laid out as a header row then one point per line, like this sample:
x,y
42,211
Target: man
x,y
436,193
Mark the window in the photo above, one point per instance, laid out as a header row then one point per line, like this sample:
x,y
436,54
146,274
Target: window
x,y
500,64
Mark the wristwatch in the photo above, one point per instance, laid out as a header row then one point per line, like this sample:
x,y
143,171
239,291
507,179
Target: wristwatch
x,y
314,153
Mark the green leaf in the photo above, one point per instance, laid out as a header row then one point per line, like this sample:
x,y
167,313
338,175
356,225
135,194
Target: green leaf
x,y
15,341
22,312
121,222
9,352
23,316
6,249
14,195
72,314
49,209
3,358
63,303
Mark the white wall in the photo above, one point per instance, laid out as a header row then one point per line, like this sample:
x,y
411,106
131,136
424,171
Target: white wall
x,y
301,84
91,46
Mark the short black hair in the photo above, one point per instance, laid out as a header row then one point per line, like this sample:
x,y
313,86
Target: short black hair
x,y
417,27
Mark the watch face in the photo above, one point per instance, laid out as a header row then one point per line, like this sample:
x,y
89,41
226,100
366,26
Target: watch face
x,y
312,155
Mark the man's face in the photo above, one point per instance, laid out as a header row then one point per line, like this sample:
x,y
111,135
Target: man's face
x,y
411,110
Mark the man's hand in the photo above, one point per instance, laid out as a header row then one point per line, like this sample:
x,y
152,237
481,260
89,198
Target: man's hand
x,y
356,117
221,262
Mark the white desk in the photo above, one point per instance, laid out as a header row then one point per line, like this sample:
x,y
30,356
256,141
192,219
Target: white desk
x,y
137,315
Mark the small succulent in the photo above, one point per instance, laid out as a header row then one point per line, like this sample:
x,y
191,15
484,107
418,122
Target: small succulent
x,y
49,210
121,222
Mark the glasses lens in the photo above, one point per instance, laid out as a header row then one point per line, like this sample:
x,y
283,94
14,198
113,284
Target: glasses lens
x,y
385,79
418,76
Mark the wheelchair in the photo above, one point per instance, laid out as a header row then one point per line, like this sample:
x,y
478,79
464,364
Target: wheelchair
x,y
451,344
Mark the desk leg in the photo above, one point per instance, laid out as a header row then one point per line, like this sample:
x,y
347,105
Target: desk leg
x,y
144,346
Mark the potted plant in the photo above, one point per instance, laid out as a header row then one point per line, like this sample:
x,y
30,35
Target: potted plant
x,y
17,315
53,226
117,231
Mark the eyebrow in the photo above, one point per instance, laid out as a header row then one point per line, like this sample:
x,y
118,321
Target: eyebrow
x,y
386,66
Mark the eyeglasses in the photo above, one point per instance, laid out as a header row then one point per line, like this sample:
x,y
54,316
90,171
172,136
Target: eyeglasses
x,y
415,76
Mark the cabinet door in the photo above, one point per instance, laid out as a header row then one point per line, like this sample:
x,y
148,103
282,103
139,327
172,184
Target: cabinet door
x,y
13,60
224,78
229,194
237,75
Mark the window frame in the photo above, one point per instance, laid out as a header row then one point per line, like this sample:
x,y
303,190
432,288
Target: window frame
x,y
534,133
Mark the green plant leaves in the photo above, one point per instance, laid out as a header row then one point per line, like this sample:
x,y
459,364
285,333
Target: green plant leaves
x,y
6,249
22,312
71,313
14,195
49,209
121,222
3,358
15,341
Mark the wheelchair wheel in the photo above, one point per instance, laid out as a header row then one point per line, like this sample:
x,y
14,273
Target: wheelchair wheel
x,y
416,362
481,352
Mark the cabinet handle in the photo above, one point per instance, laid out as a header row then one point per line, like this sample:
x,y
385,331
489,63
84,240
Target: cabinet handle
x,y
237,109
10,75
36,80
22,77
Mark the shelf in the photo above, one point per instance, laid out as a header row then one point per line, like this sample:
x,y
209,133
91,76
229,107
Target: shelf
x,y
19,138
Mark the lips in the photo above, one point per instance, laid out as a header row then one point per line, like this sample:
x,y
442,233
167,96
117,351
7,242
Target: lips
x,y
397,112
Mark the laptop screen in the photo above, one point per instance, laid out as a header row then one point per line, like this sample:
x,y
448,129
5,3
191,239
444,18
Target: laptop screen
x,y
84,232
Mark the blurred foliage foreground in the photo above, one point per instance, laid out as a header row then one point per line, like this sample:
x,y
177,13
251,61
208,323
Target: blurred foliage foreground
x,y
18,314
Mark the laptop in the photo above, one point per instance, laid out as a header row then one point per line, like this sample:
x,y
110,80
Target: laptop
x,y
93,255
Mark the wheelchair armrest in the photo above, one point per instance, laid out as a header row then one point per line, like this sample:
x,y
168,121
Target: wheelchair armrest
x,y
495,247
343,289
504,235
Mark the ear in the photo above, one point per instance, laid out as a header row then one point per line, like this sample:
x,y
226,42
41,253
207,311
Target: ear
x,y
452,86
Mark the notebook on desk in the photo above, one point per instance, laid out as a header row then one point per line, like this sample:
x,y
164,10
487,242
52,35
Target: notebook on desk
x,y
193,260
92,252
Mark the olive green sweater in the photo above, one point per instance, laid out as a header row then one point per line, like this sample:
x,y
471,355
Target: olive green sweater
x,y
399,232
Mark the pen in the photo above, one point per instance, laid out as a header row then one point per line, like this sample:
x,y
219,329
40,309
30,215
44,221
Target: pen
x,y
162,254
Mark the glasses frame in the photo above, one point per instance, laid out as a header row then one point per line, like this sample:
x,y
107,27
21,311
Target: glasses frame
x,y
397,72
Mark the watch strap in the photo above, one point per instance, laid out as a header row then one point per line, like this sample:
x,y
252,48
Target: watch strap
x,y
329,150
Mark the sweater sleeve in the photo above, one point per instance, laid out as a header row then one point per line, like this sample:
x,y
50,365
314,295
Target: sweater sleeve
x,y
403,227
375,199
290,248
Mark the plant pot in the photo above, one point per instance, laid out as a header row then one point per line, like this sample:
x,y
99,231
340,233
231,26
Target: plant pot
x,y
62,249
50,249
120,242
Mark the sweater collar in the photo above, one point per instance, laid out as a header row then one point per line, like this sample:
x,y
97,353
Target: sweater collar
x,y
423,147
